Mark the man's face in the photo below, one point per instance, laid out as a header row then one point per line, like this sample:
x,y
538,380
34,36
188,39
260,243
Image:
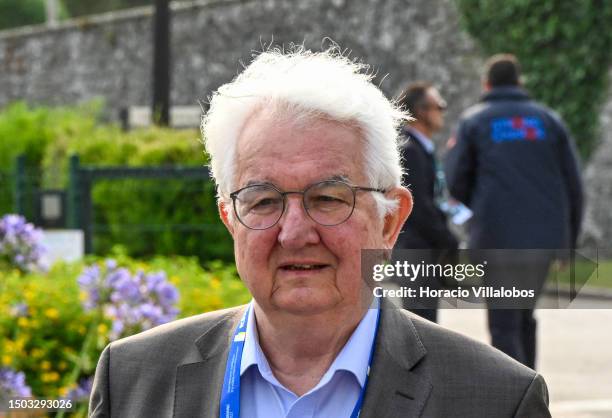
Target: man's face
x,y
434,110
292,157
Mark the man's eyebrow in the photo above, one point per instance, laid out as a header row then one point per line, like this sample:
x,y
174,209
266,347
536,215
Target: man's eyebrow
x,y
254,182
336,177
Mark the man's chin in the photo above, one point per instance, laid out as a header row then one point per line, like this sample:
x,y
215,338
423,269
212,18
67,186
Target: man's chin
x,y
305,302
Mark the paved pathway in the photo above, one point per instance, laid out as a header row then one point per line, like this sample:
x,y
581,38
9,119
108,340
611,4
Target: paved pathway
x,y
574,355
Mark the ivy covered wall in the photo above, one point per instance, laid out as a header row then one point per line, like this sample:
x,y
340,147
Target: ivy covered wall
x,y
565,49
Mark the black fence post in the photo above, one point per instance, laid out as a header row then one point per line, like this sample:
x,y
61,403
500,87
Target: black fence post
x,y
74,193
20,185
86,211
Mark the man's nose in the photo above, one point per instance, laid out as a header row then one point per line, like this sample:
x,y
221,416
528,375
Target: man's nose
x,y
297,229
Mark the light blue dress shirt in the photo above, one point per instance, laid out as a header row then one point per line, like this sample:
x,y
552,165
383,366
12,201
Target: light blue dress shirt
x,y
263,396
420,136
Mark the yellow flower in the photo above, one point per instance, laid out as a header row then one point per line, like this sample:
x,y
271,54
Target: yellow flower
x,y
175,280
102,329
62,365
29,295
45,365
23,322
50,377
52,313
37,353
20,343
6,360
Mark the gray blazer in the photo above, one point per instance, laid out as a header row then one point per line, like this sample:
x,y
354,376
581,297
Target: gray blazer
x,y
419,370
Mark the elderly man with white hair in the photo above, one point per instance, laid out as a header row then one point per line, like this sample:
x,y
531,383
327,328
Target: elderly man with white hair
x,y
304,152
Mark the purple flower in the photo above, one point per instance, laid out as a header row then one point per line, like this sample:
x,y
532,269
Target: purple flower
x,y
151,313
20,244
132,302
154,279
167,294
126,289
117,329
115,276
19,310
13,383
110,264
90,277
82,391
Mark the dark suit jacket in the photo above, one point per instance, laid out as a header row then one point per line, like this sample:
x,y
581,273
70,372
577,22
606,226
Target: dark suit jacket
x,y
426,226
419,370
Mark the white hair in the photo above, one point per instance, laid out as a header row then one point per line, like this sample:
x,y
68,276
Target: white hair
x,y
306,84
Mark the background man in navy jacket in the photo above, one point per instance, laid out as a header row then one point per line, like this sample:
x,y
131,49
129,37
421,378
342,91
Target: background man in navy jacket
x,y
426,229
513,163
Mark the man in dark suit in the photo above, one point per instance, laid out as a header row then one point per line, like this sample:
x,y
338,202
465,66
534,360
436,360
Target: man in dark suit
x,y
303,151
426,230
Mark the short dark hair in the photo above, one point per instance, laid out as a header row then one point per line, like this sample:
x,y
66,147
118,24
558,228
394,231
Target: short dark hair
x,y
413,96
503,70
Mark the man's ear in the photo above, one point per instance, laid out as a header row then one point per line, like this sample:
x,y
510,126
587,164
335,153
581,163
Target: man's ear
x,y
225,217
395,220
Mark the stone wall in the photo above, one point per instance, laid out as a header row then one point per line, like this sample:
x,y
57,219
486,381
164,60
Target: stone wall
x,y
597,228
110,55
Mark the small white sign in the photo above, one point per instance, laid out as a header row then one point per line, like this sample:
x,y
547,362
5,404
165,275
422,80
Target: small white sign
x,y
63,244
180,116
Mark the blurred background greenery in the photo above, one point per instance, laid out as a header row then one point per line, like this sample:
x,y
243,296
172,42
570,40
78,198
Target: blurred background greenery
x,y
565,49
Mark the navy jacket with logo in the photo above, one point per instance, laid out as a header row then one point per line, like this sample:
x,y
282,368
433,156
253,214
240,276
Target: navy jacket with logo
x,y
515,166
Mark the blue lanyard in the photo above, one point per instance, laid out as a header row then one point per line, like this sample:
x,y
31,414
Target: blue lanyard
x,y
230,395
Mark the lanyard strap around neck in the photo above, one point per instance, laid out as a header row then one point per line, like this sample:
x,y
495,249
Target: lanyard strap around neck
x,y
230,396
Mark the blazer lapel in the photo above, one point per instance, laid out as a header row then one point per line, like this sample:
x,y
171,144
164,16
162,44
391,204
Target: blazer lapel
x,y
199,383
394,389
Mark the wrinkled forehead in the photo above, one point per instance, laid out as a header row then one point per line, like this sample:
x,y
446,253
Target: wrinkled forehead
x,y
275,145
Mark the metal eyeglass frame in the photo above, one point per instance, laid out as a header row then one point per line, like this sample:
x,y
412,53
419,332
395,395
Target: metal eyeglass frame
x,y
354,189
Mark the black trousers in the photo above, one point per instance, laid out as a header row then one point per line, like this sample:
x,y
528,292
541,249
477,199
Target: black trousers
x,y
512,323
513,331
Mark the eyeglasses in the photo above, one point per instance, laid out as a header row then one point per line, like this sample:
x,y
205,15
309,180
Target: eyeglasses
x,y
329,203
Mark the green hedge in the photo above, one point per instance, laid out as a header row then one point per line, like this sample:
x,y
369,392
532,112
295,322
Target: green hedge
x,y
565,49
134,213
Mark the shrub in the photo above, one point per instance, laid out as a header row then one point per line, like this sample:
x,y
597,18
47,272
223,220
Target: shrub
x,y
46,333
26,130
173,216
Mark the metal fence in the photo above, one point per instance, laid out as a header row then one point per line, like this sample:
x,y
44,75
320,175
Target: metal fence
x,y
149,210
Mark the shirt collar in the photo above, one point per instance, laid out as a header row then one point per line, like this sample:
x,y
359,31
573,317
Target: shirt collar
x,y
354,356
505,93
423,140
